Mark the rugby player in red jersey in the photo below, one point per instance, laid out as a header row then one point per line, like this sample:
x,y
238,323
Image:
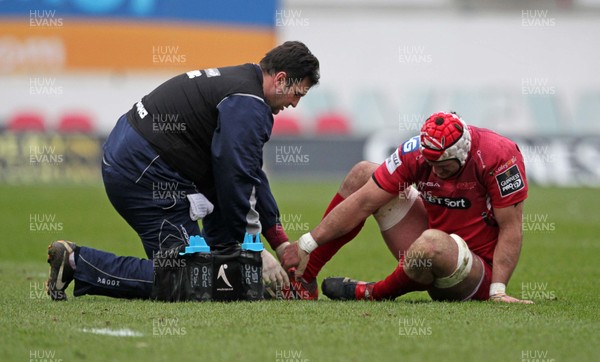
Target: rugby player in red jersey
x,y
472,184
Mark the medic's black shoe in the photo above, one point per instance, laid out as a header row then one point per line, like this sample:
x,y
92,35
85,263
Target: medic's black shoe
x,y
61,272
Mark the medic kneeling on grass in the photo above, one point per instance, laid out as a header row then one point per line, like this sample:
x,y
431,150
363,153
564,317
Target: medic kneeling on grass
x,y
449,204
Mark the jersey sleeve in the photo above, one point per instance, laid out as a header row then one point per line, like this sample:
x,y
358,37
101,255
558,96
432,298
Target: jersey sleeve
x,y
396,172
507,183
237,150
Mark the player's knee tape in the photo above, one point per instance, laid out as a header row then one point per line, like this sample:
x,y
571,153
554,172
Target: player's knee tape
x,y
394,211
463,266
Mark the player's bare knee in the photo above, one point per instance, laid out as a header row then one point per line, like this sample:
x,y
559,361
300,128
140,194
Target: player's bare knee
x,y
418,260
433,235
430,242
357,177
427,246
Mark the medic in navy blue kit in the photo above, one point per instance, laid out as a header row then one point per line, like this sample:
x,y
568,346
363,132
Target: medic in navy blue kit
x,y
191,149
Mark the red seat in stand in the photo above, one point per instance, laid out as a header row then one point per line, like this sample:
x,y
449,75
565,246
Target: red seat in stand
x,y
26,122
332,123
286,125
75,123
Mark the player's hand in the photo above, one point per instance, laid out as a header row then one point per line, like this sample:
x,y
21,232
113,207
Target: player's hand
x,y
504,298
290,258
272,271
294,257
280,250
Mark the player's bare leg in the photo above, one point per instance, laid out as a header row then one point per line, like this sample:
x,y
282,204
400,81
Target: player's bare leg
x,y
401,221
306,287
354,180
436,261
357,177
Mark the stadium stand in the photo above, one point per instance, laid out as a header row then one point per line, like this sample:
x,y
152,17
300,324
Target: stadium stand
x,y
546,113
332,124
286,125
369,110
587,116
75,122
26,121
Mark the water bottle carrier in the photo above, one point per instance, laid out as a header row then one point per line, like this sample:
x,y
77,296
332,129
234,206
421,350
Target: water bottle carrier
x,y
194,273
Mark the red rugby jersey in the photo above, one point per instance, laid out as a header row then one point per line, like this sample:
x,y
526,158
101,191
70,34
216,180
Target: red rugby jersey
x,y
492,177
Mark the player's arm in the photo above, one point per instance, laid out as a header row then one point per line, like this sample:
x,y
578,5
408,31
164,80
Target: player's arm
x,y
351,212
341,220
508,249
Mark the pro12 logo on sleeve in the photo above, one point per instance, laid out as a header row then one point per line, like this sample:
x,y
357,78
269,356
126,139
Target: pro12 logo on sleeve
x,y
510,181
393,162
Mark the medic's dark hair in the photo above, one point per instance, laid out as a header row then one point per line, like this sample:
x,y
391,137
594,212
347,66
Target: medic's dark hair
x,y
294,58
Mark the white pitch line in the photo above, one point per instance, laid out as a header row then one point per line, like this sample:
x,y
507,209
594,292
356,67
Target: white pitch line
x,y
113,332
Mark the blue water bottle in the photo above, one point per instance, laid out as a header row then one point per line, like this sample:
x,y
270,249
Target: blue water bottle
x,y
198,269
251,266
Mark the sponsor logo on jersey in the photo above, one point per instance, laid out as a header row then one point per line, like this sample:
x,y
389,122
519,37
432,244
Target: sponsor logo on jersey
x,y
449,202
141,110
392,162
505,165
194,74
466,185
410,145
510,181
422,185
212,72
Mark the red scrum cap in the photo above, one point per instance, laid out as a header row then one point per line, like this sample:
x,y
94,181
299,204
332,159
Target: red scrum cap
x,y
445,136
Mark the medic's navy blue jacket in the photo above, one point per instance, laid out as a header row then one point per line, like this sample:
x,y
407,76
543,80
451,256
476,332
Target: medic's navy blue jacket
x,y
210,126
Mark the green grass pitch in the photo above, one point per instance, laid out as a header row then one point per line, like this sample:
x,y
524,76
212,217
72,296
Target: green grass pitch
x,y
559,270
